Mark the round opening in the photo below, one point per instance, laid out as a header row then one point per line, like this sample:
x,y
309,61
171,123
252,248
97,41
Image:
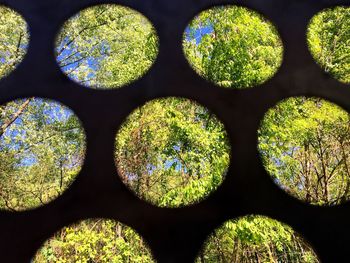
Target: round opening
x,y
95,240
42,147
256,239
172,152
14,38
304,144
328,40
106,46
233,47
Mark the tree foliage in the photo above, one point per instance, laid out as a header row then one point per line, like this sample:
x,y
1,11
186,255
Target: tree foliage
x,y
233,47
305,145
106,46
172,152
255,239
41,152
14,38
328,39
99,241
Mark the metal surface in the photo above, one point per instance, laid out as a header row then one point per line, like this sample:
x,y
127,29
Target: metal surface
x,y
174,235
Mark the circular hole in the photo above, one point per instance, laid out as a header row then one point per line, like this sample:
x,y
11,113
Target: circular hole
x,y
233,47
328,40
42,146
106,46
95,240
14,38
304,144
256,239
172,152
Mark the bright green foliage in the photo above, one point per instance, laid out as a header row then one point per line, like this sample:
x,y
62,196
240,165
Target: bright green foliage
x,y
329,38
172,152
41,151
99,241
255,239
106,46
14,38
233,47
305,143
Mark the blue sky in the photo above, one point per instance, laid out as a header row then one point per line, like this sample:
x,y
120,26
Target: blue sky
x,y
198,33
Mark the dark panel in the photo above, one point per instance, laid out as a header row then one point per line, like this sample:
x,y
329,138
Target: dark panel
x,y
175,235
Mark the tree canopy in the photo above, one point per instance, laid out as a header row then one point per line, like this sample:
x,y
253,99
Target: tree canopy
x,y
305,143
172,152
255,239
14,37
233,47
95,240
106,46
41,151
328,39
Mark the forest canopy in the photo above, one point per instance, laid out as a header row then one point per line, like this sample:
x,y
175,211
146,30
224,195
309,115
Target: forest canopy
x,y
42,148
14,37
106,46
95,240
305,146
303,141
172,152
328,38
255,239
233,47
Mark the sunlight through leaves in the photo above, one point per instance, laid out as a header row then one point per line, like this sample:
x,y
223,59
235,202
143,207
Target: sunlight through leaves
x,y
328,37
256,239
95,240
14,38
305,144
106,46
233,47
42,148
172,152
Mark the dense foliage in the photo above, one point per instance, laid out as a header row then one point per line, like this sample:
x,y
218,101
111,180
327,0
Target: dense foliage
x,y
255,239
172,152
305,145
233,47
41,152
106,46
103,241
13,40
328,39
